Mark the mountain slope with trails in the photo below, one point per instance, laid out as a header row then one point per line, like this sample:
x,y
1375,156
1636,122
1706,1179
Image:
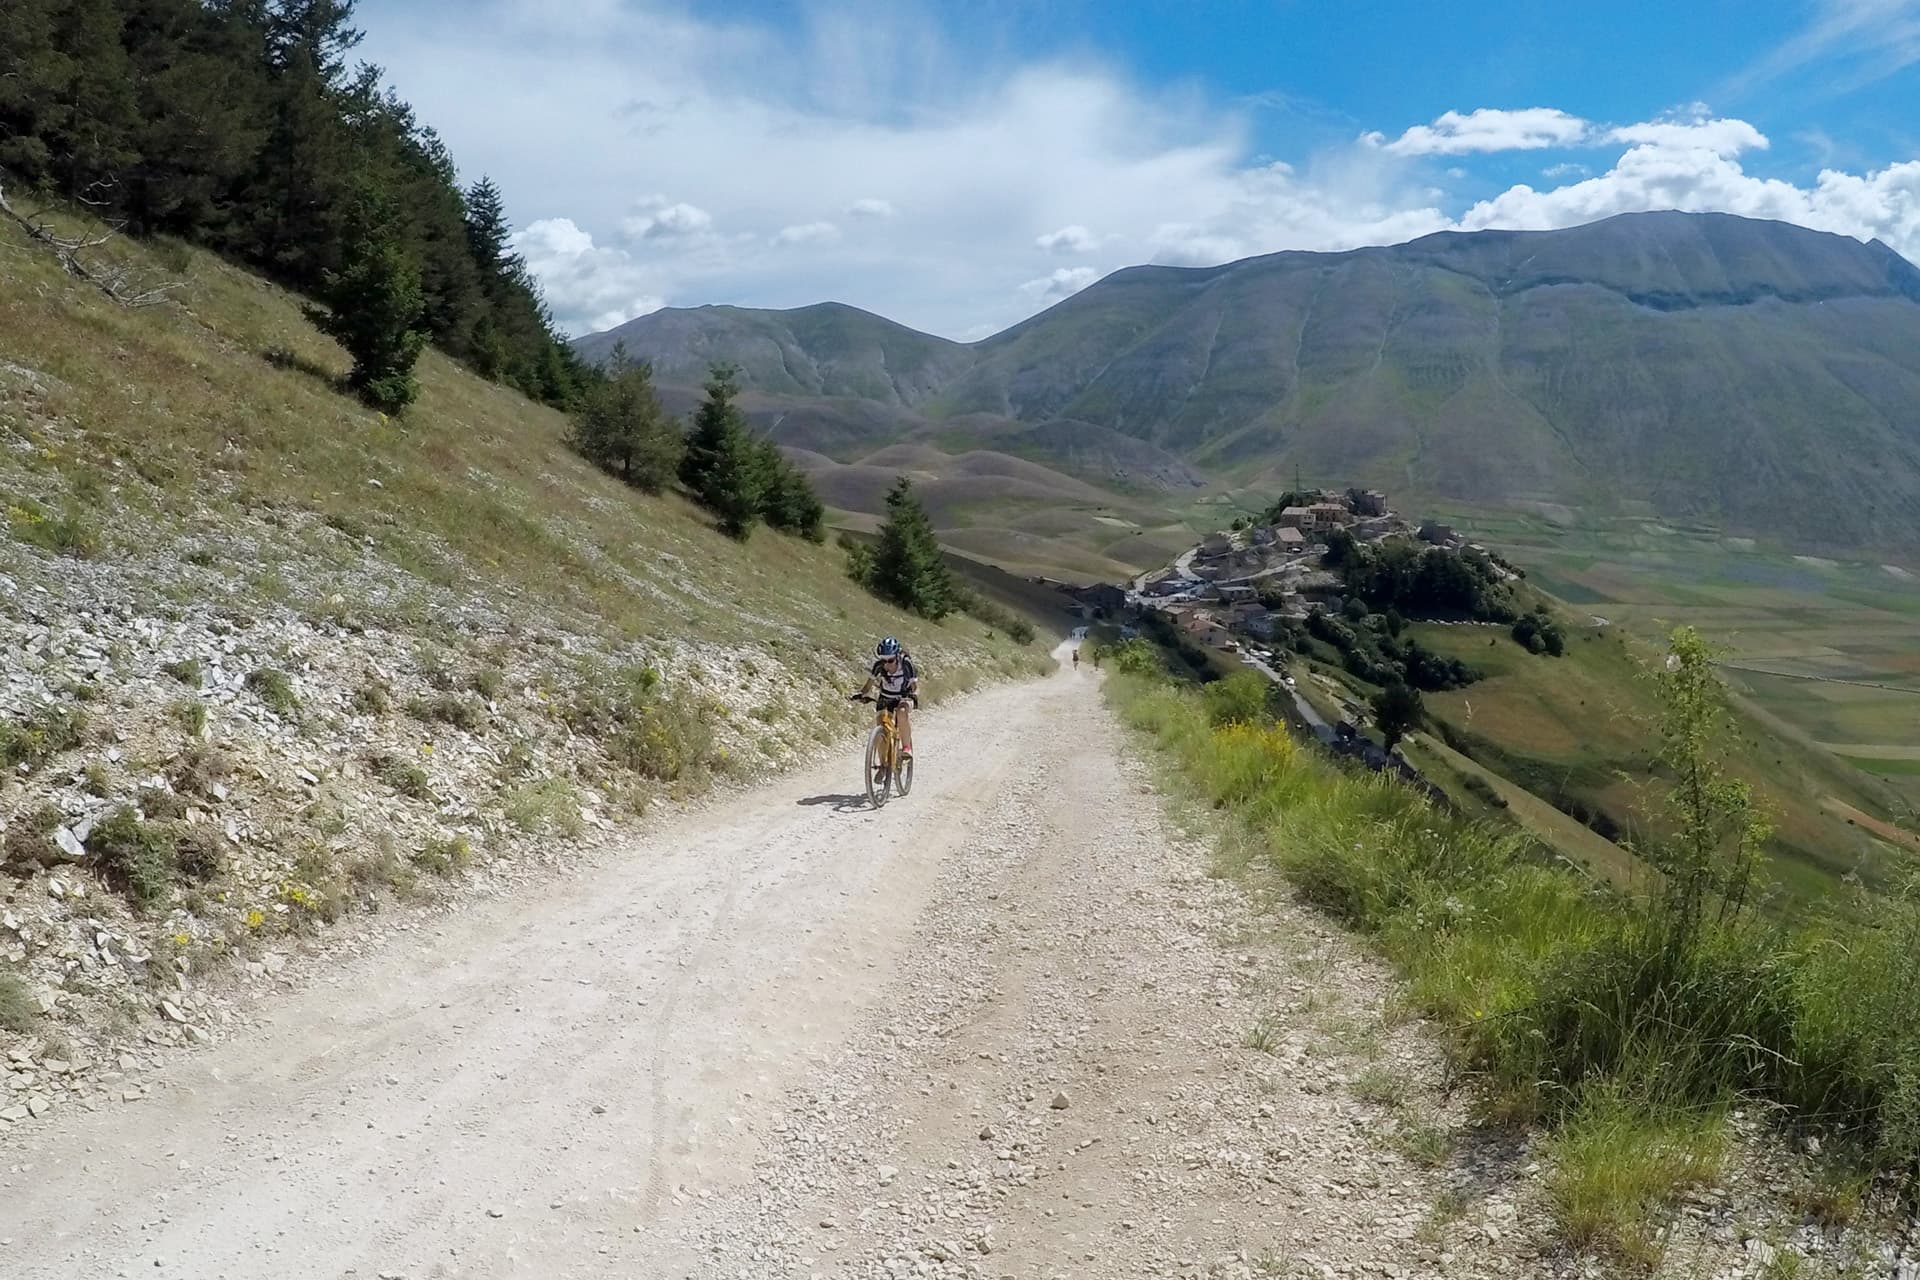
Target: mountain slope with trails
x,y
1692,366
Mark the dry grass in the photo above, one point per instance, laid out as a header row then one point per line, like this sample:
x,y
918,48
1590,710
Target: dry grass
x,y
473,487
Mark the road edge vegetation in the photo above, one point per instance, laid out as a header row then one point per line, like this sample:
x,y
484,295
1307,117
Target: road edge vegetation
x,y
1626,1026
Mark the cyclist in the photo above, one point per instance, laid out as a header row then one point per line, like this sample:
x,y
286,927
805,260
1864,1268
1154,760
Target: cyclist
x,y
894,683
1076,659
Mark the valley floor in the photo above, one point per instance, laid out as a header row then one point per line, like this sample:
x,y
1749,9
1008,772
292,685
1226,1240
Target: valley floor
x,y
1007,1026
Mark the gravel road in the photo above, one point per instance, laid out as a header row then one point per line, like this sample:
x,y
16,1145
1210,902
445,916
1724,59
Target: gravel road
x,y
1008,1026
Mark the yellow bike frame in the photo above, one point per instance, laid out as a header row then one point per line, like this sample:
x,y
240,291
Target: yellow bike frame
x,y
884,718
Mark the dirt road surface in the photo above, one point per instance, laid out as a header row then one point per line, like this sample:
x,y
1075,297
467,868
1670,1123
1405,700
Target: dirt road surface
x,y
1008,1026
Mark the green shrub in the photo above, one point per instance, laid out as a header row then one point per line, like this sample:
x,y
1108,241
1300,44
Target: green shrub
x,y
443,856
317,889
274,688
1134,657
371,698
71,533
161,805
136,857
549,804
197,769
663,740
187,671
993,614
1245,697
41,736
190,714
487,682
18,1011
1615,1163
29,838
200,855
455,709
642,728
404,776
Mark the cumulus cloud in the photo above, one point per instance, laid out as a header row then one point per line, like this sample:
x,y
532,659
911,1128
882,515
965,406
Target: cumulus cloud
x,y
1487,129
981,152
590,287
657,218
1072,238
807,233
1883,205
1700,133
1062,283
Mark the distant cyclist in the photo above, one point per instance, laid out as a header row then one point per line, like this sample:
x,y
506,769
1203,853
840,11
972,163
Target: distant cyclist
x,y
894,683
1076,659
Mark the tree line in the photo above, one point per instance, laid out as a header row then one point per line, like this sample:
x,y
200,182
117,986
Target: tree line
x,y
738,476
743,479
241,126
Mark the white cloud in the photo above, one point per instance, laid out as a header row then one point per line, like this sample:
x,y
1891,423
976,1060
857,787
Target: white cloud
x,y
1857,41
980,152
1062,283
1721,137
658,218
807,233
1883,204
589,287
1485,130
1072,238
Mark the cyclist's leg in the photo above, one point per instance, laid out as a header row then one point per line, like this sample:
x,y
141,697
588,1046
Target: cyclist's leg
x,y
906,728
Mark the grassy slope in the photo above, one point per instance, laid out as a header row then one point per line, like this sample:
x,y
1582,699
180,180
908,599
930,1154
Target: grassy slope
x,y
176,411
487,649
1841,635
1576,728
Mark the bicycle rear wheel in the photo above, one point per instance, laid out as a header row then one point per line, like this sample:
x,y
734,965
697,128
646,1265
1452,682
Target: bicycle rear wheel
x,y
878,774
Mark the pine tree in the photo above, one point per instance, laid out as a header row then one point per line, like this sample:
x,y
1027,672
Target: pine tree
x,y
245,126
721,468
787,499
374,310
1396,709
622,427
489,232
908,568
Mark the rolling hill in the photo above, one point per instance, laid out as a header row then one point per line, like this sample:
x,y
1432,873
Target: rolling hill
x,y
1753,374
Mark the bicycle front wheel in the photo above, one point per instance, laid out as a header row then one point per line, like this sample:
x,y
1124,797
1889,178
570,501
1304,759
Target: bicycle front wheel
x,y
903,775
878,770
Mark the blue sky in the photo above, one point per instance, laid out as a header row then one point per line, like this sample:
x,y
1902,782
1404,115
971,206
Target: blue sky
x,y
960,166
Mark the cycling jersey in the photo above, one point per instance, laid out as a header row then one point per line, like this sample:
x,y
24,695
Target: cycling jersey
x,y
897,683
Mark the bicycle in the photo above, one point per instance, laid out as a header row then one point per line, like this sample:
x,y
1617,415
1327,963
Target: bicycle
x,y
886,767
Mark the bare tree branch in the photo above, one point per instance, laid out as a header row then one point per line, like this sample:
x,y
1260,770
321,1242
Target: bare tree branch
x,y
118,281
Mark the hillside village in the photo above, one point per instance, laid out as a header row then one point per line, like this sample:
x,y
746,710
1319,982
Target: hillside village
x,y
1240,585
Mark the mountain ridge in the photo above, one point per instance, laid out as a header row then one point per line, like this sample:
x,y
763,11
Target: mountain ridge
x,y
1749,373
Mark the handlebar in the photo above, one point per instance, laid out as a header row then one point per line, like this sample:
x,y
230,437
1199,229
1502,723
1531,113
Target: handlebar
x,y
914,698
